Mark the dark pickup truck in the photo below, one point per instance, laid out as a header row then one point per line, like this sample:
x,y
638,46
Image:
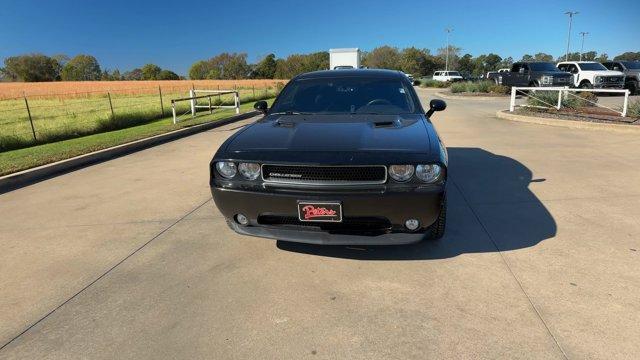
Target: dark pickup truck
x,y
534,74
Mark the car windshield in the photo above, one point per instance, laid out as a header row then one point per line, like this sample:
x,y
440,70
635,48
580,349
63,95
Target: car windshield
x,y
543,67
592,66
347,95
635,65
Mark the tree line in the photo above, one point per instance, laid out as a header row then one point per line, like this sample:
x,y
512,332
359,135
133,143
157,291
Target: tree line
x,y
411,60
39,67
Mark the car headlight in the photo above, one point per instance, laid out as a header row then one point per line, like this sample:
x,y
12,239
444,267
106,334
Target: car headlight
x,y
227,169
249,171
428,173
546,79
401,172
599,79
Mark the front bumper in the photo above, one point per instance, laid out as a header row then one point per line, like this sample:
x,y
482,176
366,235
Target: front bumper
x,y
395,206
609,86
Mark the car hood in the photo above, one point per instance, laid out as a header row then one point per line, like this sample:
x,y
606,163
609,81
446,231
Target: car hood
x,y
335,133
603,73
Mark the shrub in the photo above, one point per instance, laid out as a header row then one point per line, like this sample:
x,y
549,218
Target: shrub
x,y
433,83
634,109
499,89
571,100
478,87
458,87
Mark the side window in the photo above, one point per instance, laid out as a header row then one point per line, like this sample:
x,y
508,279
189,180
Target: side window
x,y
516,67
617,67
608,65
525,68
573,69
562,67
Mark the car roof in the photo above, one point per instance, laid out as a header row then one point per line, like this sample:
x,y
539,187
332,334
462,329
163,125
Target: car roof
x,y
364,73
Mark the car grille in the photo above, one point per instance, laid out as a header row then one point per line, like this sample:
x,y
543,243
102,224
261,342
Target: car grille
x,y
348,224
324,175
613,79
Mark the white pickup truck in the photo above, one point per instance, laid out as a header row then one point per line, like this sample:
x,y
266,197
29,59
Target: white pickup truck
x,y
591,74
447,76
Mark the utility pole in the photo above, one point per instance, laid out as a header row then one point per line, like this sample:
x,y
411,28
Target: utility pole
x,y
582,33
570,13
446,64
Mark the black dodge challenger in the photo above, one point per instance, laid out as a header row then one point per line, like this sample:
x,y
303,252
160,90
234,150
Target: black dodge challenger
x,y
342,157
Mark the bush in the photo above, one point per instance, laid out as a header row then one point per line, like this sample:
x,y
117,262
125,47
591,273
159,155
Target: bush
x,y
571,100
634,109
484,87
432,83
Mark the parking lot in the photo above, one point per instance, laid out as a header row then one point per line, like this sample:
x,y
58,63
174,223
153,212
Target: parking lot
x,y
130,259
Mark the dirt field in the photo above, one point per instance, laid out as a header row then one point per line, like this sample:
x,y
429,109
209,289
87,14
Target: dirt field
x,y
81,88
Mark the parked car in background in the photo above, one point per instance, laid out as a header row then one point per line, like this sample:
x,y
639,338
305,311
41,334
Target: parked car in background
x,y
493,75
533,74
342,157
447,76
631,70
411,79
591,74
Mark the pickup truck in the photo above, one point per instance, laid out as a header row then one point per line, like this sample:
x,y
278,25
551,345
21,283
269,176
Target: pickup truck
x,y
631,70
591,74
534,74
493,75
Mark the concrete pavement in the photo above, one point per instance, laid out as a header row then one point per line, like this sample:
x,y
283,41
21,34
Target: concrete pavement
x,y
130,259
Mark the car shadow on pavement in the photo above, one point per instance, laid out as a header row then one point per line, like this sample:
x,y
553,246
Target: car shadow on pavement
x,y
490,208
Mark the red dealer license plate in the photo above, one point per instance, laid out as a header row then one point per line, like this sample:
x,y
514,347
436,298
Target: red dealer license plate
x,y
322,211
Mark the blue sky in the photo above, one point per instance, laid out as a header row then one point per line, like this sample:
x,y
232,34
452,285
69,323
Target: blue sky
x,y
174,34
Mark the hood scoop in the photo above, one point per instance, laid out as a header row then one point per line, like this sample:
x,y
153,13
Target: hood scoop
x,y
387,124
284,124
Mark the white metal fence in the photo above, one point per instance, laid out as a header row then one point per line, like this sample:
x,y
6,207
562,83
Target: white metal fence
x,y
564,92
193,100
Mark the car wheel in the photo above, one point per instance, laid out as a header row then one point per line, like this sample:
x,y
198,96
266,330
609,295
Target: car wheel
x,y
633,87
585,85
436,230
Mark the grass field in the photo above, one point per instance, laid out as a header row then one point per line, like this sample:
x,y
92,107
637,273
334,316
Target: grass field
x,y
68,89
22,159
63,114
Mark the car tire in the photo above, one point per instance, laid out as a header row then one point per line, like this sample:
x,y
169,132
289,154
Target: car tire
x,y
633,87
436,230
586,85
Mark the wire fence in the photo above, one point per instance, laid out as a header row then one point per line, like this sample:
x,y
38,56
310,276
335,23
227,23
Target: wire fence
x,y
32,120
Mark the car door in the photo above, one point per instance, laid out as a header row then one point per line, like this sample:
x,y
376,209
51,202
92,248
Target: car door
x,y
573,69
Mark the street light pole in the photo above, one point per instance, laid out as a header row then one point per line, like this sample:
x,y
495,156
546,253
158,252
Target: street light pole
x,y
570,13
446,64
582,46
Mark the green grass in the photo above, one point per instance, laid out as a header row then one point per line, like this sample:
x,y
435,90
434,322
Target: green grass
x,y
21,159
57,119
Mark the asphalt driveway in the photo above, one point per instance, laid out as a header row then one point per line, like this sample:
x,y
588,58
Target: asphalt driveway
x,y
130,259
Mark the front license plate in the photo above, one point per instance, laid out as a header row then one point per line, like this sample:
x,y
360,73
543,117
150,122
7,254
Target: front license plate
x,y
328,211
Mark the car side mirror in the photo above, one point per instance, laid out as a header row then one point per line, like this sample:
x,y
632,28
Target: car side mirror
x,y
261,106
436,105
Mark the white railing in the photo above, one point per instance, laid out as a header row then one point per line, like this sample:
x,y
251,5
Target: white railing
x,y
193,100
566,91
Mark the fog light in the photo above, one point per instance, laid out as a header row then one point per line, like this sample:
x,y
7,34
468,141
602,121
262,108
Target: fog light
x,y
242,220
412,224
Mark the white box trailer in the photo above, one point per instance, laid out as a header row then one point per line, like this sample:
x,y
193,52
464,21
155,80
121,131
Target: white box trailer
x,y
344,58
